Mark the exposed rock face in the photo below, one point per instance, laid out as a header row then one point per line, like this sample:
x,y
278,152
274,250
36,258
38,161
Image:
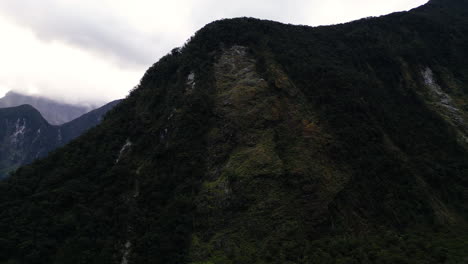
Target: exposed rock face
x,y
445,105
262,136
26,136
54,112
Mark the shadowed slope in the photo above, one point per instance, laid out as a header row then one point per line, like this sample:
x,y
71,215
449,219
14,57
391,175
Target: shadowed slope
x,y
26,136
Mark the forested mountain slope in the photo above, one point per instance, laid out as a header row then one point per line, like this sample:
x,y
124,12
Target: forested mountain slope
x,y
260,142
26,136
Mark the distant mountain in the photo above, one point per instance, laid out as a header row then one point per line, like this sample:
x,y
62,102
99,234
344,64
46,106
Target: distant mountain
x,y
25,135
79,125
54,112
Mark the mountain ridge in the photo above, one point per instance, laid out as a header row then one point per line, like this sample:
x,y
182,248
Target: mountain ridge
x,y
25,135
55,112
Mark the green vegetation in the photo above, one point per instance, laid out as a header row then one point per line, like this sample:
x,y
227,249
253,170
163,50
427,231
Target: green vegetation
x,y
26,136
290,144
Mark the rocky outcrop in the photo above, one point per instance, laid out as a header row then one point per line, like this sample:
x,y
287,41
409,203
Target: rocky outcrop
x,y
445,105
26,136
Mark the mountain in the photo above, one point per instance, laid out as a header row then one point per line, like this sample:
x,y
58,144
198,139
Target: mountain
x,y
54,112
260,142
81,124
26,136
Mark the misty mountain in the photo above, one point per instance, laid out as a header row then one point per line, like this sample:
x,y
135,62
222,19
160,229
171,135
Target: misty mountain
x,y
260,142
54,112
26,136
81,124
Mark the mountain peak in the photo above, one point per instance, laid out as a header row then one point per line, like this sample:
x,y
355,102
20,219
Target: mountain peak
x,y
25,135
55,112
24,109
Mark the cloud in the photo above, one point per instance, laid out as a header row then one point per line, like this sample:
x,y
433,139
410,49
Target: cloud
x,y
3,91
97,50
304,12
87,27
59,70
341,11
279,10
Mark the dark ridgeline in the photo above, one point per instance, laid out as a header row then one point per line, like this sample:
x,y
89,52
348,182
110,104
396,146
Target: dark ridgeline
x,y
260,142
54,112
26,136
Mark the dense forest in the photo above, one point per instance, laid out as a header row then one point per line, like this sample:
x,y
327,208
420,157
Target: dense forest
x,y
260,142
25,135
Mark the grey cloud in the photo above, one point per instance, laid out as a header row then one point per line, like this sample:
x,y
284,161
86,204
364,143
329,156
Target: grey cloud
x,y
92,29
291,11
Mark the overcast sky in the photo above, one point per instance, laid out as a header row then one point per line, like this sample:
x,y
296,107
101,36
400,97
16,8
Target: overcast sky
x,y
95,51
